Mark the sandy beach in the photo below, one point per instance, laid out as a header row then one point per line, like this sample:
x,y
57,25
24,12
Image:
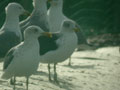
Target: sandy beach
x,y
90,70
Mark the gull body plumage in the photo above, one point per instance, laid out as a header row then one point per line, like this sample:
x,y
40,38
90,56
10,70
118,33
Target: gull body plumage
x,y
10,34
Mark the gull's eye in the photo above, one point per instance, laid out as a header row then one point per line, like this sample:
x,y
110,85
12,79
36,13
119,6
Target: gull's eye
x,y
35,30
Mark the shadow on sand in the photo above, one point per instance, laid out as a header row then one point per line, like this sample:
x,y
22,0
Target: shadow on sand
x,y
62,82
10,87
90,58
41,73
80,66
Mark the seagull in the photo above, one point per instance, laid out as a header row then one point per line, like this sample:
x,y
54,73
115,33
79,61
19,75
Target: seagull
x,y
38,16
10,34
56,17
23,59
66,42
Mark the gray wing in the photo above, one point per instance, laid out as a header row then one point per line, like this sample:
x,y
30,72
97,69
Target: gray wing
x,y
8,58
48,44
7,41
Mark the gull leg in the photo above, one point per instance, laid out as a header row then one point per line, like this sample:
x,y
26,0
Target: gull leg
x,y
14,80
27,82
69,64
55,73
49,72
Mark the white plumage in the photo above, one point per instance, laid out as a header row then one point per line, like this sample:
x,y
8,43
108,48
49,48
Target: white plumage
x,y
23,59
56,17
67,42
10,34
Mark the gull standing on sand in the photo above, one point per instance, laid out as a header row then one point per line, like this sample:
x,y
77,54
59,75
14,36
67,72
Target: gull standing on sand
x,y
66,42
56,17
10,34
23,59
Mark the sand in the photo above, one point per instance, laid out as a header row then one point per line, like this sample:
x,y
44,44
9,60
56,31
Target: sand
x,y
90,70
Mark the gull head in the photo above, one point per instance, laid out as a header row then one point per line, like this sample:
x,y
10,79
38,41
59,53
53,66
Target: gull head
x,y
69,25
15,9
35,31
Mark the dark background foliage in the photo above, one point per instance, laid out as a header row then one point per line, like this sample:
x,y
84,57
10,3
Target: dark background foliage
x,y
94,16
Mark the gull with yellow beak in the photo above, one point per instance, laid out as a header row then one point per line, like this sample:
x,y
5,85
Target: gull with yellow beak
x,y
23,59
10,34
66,42
55,19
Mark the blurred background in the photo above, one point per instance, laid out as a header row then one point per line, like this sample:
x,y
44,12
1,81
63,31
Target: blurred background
x,y
99,19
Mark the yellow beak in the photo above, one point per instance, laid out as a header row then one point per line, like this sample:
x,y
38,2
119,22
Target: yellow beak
x,y
48,34
26,13
76,29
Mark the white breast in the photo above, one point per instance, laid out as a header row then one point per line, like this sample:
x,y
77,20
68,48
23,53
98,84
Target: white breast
x,y
67,45
25,61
